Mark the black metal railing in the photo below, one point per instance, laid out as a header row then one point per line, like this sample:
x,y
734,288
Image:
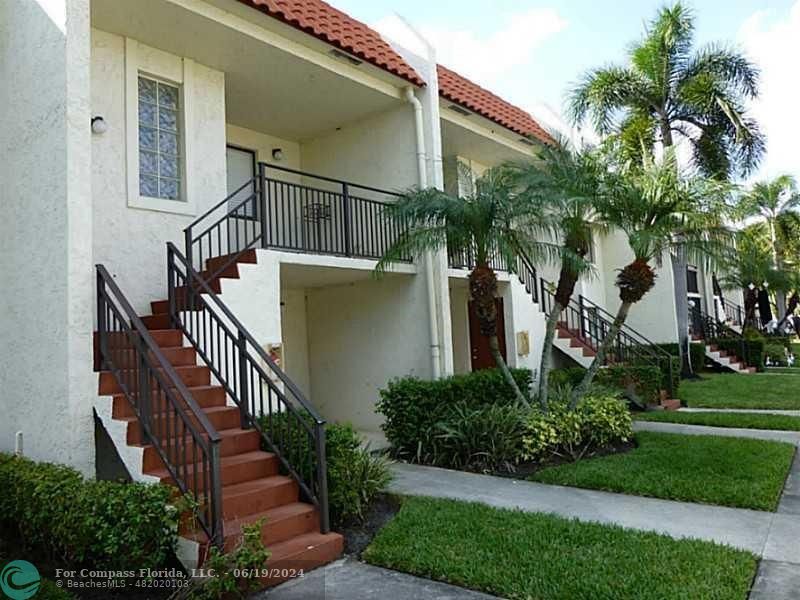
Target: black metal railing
x,y
709,329
591,324
301,212
465,259
170,419
734,313
528,276
267,398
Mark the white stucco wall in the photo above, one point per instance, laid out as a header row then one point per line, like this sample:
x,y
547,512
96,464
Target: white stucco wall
x,y
131,241
523,316
459,313
654,316
360,335
46,379
294,334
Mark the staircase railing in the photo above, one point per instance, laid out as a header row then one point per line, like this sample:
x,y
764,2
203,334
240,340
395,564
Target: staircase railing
x,y
170,419
708,328
734,313
591,324
312,213
267,398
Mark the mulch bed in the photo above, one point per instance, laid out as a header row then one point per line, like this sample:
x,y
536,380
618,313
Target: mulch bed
x,y
358,535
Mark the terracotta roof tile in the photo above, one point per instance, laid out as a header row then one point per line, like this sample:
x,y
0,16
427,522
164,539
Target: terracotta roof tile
x,y
334,27
462,91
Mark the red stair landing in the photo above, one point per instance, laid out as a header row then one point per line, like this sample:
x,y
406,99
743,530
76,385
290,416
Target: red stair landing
x,y
575,339
252,486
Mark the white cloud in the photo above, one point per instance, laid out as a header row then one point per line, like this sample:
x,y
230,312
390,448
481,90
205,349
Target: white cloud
x,y
487,60
774,45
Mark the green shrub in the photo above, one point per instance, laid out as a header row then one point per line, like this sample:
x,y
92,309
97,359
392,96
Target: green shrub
x,y
776,353
753,349
600,419
413,407
697,354
646,379
102,524
355,474
486,438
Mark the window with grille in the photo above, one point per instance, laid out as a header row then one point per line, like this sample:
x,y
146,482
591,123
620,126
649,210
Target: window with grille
x,y
691,281
159,140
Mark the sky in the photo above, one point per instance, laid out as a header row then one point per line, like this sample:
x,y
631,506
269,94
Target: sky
x,y
530,52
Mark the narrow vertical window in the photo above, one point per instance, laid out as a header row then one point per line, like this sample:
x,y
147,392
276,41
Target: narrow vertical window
x,y
159,140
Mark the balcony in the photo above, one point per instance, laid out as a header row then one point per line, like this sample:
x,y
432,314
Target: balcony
x,y
294,211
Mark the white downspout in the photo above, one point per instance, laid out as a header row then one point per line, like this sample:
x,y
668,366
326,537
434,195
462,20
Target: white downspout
x,y
433,324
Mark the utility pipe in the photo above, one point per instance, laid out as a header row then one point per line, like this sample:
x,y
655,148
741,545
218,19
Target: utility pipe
x,y
430,283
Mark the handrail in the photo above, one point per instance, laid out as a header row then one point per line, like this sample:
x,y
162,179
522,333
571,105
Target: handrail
x,y
288,423
160,399
710,328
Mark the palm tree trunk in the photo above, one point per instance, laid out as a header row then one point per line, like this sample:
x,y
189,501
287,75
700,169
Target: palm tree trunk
x,y
602,351
750,301
679,266
547,352
494,350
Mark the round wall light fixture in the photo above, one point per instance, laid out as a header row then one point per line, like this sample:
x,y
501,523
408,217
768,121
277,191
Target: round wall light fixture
x,y
277,154
99,125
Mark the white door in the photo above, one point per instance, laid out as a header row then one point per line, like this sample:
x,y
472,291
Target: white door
x,y
241,169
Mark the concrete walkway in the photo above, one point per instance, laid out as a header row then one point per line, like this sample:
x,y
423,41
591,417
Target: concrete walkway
x,y
349,579
773,536
791,437
757,411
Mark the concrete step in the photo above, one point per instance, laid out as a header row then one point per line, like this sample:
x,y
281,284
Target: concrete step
x,y
190,375
205,396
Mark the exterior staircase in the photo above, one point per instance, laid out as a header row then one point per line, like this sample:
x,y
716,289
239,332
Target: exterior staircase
x,y
585,325
252,479
708,331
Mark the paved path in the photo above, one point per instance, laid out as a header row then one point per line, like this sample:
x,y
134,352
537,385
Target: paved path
x,y
773,536
792,437
349,579
758,411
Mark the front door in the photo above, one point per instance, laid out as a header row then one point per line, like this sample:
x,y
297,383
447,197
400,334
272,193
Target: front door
x,y
479,343
241,169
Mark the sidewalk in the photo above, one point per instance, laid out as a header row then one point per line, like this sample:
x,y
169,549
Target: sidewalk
x,y
791,437
348,579
757,411
772,536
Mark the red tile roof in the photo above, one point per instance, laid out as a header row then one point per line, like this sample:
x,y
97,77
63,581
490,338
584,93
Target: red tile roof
x,y
462,91
338,29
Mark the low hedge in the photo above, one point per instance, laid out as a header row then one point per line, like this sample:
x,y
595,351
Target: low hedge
x,y
647,380
413,406
697,354
753,350
103,524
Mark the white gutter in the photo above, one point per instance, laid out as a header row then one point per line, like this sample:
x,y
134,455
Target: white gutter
x,y
430,283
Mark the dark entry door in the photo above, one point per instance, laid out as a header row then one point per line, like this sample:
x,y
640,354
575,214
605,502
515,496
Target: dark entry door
x,y
479,344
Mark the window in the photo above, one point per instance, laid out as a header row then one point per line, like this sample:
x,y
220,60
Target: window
x,y
691,280
590,254
159,140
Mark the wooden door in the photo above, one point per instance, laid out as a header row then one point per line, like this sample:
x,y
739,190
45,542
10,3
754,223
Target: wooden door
x,y
479,343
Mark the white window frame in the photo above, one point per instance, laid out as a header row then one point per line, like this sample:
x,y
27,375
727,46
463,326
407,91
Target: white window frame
x,y
181,76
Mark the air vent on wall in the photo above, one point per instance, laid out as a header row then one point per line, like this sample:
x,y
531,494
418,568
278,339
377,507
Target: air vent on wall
x,y
459,110
345,56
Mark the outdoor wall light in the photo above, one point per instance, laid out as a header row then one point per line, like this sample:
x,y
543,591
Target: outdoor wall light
x,y
766,284
277,154
99,125
752,286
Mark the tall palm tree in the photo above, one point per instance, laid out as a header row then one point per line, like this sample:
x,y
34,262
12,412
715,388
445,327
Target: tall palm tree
x,y
649,205
670,92
770,201
751,269
492,221
565,185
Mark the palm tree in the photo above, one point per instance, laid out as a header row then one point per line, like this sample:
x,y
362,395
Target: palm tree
x,y
668,92
492,221
564,184
649,205
770,201
751,269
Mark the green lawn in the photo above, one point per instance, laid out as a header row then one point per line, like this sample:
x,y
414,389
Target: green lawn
x,y
722,419
736,472
524,556
759,390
